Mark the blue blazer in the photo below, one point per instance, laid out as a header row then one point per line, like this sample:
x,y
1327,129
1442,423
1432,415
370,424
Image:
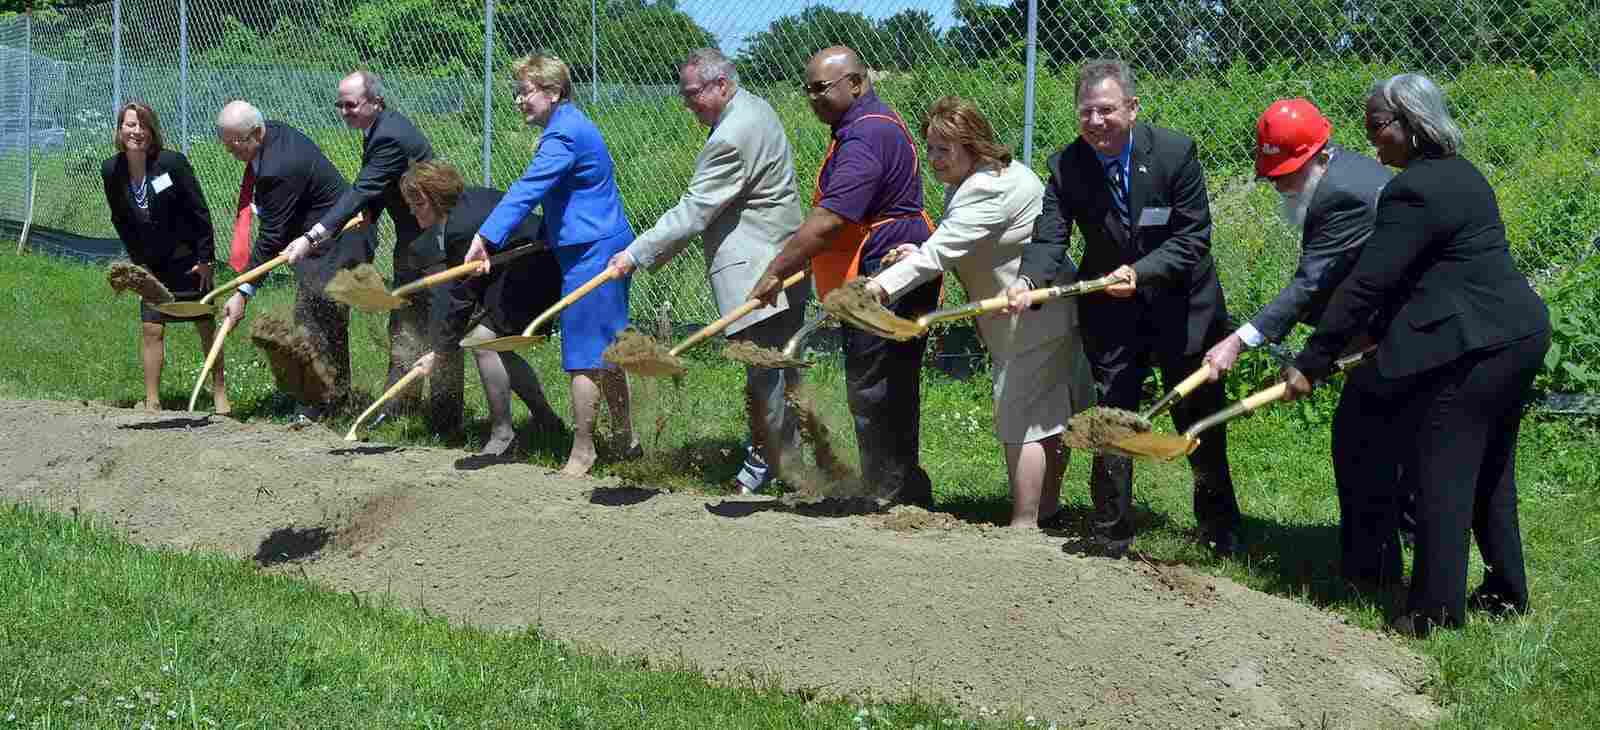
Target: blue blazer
x,y
573,176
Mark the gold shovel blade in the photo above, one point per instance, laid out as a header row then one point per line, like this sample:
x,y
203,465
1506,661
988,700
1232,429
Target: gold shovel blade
x,y
1165,447
186,309
502,344
855,306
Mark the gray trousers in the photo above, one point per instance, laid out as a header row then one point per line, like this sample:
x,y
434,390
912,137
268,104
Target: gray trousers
x,y
778,432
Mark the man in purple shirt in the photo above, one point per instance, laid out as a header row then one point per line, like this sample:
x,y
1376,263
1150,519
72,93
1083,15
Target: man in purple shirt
x,y
868,200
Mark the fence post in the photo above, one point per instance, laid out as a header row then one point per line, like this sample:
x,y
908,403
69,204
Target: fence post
x,y
116,57
27,110
183,73
594,53
1027,84
488,88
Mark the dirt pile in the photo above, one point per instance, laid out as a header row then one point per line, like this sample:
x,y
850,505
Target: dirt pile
x,y
869,606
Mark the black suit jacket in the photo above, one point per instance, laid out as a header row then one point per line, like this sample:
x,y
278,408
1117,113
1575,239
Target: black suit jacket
x,y
179,233
1338,223
296,185
1179,300
1439,259
511,295
388,148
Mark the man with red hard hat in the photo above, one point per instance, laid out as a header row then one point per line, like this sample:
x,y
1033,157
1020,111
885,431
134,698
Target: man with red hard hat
x,y
1330,194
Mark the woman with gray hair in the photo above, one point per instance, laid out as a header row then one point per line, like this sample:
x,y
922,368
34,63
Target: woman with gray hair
x,y
1461,336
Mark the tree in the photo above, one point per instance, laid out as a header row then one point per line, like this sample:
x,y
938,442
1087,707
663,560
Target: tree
x,y
644,44
780,52
908,39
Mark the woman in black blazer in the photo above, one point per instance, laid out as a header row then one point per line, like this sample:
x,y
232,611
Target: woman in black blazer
x,y
1464,337
161,216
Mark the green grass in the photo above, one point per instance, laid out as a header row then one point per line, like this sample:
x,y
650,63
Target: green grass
x,y
78,343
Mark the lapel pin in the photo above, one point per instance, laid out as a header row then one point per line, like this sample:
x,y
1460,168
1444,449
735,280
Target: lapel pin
x,y
1142,168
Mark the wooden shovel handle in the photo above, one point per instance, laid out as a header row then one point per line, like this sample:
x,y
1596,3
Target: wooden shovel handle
x,y
432,280
567,300
731,317
276,261
1250,403
970,309
1184,388
211,357
388,395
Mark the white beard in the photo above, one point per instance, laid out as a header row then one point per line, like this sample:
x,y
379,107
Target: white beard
x,y
1292,209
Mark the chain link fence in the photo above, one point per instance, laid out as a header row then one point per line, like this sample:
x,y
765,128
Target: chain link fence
x,y
1521,74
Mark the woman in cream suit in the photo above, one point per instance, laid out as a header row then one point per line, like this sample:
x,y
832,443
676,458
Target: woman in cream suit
x,y
991,201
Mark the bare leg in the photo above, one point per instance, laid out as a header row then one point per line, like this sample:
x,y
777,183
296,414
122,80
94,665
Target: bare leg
x,y
496,390
615,384
1035,470
219,386
152,350
585,404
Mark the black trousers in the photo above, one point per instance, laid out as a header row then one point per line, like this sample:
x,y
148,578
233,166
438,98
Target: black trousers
x,y
1371,479
883,385
410,329
1462,421
1121,365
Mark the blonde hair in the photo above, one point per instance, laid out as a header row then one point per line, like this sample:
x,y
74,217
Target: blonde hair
x,y
435,181
544,71
959,121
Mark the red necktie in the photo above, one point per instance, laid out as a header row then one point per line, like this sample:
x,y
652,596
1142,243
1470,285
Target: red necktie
x,y
239,252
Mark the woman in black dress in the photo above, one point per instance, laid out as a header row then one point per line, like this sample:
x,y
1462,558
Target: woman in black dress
x,y
161,216
506,300
1465,336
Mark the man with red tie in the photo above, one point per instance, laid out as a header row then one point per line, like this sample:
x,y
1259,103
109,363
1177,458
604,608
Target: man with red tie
x,y
289,184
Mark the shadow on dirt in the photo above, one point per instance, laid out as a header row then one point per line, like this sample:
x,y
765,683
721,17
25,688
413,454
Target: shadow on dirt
x,y
286,544
365,450
828,507
168,424
620,496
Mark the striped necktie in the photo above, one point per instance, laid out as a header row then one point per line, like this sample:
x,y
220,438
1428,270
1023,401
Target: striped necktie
x,y
1119,188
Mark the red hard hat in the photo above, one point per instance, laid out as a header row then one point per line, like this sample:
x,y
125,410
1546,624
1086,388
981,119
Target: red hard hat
x,y
1288,133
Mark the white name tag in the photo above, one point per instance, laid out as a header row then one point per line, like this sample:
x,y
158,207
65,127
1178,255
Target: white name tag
x,y
1154,216
254,210
161,183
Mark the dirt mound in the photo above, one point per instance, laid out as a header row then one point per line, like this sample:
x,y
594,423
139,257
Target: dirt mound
x,y
860,604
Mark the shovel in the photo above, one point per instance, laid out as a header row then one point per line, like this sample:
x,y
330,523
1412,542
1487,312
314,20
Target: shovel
x,y
854,305
1167,447
211,357
766,357
651,362
997,303
375,299
512,342
387,396
206,304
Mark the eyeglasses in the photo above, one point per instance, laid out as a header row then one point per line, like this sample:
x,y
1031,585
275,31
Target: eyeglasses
x,y
821,87
694,91
1374,130
348,105
1086,113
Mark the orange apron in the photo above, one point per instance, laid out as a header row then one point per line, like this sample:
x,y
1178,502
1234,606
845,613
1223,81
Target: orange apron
x,y
841,260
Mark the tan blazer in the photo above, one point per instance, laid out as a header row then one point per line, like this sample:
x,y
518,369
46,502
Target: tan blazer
x,y
743,204
987,219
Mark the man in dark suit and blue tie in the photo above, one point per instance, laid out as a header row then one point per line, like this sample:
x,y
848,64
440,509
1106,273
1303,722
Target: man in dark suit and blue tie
x,y
390,143
1138,197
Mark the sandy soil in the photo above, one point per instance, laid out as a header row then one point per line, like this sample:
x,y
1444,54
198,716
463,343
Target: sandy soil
x,y
868,606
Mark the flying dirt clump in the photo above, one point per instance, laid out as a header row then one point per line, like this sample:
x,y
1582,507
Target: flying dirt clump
x,y
641,354
297,366
124,276
1101,426
755,355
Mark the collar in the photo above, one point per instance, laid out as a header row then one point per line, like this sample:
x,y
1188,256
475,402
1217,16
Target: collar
x,y
1124,158
366,134
865,104
737,98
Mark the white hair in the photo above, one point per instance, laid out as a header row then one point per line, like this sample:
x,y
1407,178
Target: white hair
x,y
241,116
1419,103
709,63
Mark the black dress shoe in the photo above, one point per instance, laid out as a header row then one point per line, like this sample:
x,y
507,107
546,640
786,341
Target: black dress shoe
x,y
1056,521
1412,625
1495,604
1224,541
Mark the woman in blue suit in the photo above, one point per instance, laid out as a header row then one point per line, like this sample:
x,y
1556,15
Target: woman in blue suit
x,y
572,177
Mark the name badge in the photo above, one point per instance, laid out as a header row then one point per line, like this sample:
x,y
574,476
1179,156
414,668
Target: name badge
x,y
1154,216
161,183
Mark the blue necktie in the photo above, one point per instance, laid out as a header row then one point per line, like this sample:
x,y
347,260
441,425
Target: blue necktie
x,y
1119,188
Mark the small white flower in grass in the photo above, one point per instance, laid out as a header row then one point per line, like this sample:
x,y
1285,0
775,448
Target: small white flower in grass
x,y
166,669
120,699
1030,721
11,717
172,714
147,726
66,703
